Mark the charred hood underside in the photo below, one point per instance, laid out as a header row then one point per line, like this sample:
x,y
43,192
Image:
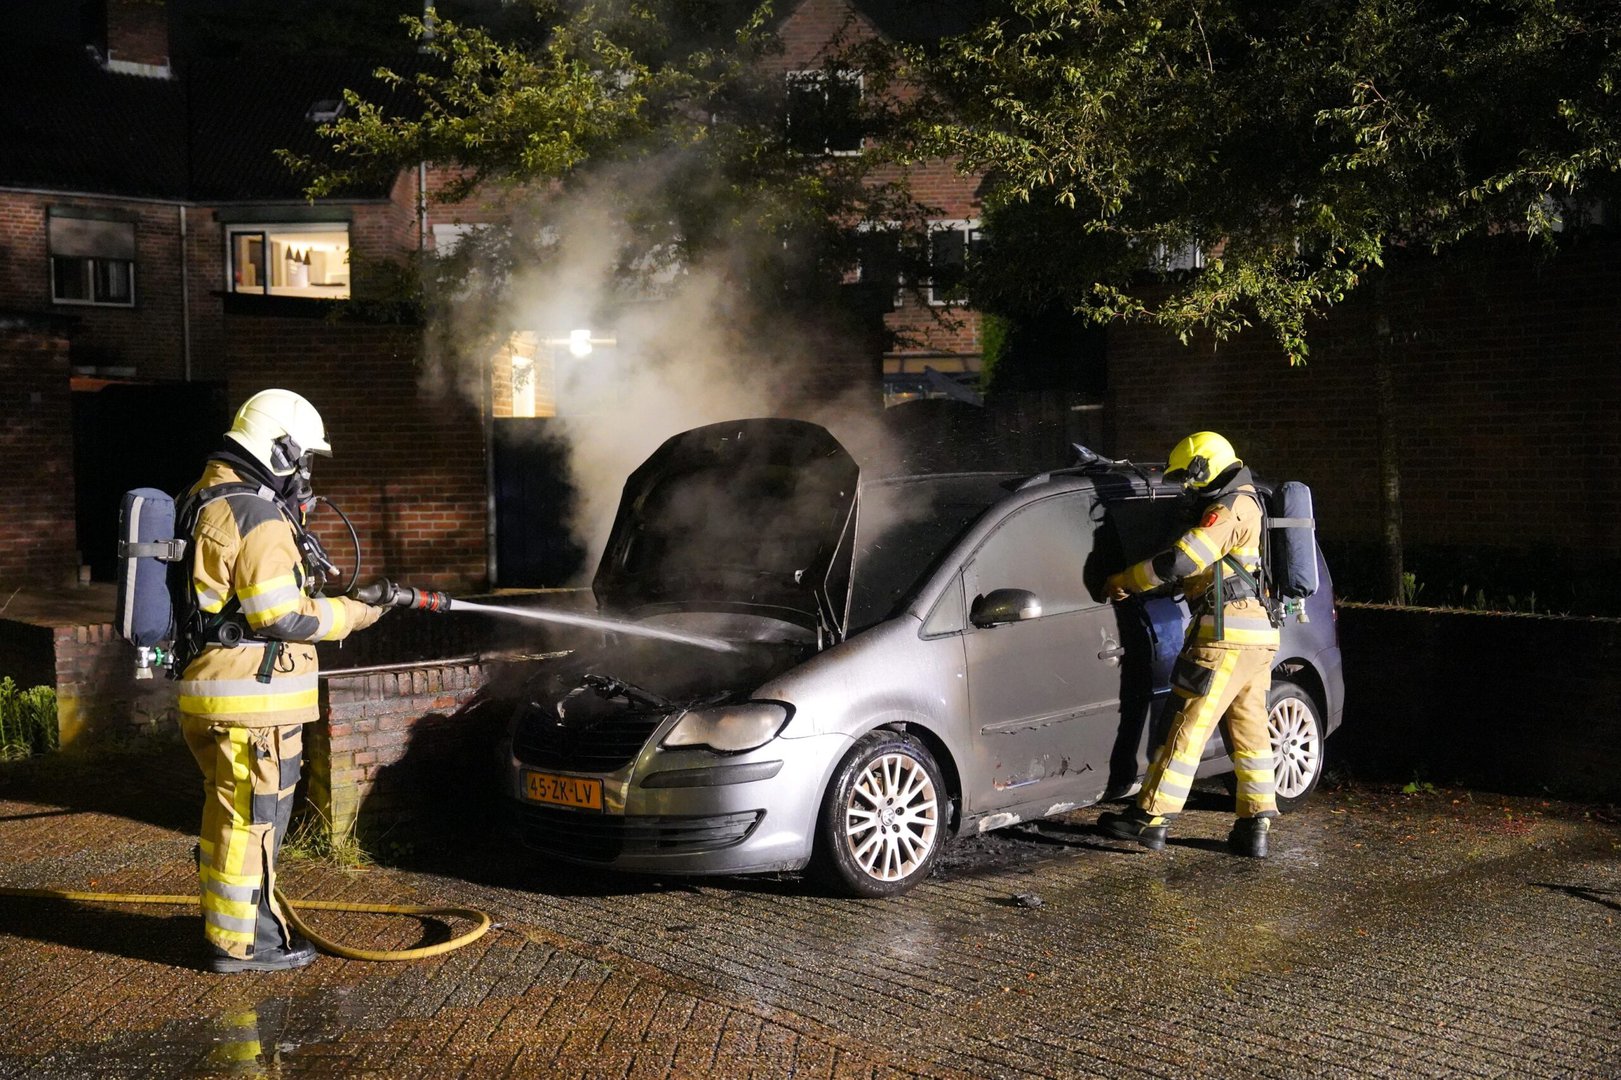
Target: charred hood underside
x,y
747,516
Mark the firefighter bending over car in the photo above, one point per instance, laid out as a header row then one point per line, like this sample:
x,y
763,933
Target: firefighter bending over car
x,y
1225,668
249,616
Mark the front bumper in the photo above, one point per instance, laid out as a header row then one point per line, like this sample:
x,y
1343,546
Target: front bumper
x,y
691,811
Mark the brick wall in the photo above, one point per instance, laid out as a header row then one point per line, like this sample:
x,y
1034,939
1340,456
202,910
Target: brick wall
x,y
407,466
97,694
147,336
387,740
92,670
36,458
1508,390
138,31
150,337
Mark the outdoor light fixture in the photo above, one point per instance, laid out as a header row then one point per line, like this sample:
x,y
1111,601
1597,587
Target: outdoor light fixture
x,y
579,343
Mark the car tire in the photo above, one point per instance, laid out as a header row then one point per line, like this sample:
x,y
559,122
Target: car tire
x,y
1295,726
883,819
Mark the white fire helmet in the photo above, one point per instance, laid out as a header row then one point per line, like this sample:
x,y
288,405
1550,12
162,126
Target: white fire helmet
x,y
278,427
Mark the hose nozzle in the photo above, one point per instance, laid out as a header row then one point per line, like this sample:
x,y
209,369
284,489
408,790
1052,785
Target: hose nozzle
x,y
386,593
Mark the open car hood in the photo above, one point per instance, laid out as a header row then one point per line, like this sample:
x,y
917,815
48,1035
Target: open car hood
x,y
747,515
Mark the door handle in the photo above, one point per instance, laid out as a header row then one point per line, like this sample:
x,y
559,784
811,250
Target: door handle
x,y
1112,652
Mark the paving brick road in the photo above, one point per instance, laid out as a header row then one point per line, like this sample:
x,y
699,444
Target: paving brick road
x,y
1432,933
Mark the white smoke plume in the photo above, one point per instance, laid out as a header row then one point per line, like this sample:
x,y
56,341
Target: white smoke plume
x,y
680,360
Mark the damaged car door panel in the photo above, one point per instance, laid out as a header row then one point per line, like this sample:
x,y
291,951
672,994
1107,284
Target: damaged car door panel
x,y
912,657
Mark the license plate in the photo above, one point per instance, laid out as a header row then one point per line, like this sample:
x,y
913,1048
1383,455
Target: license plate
x,y
581,792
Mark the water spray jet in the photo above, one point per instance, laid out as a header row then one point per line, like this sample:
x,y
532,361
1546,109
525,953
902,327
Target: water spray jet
x,y
596,622
385,593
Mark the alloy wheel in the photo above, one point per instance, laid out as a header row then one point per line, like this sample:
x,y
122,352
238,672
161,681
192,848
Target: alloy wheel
x,y
1297,748
891,817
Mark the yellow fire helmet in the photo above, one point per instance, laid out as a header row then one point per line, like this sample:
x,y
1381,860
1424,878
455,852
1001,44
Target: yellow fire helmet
x,y
278,427
1199,459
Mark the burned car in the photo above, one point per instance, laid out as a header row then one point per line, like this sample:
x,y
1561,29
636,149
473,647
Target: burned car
x,y
900,660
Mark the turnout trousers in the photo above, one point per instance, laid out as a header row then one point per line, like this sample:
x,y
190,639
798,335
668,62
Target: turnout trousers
x,y
249,774
1213,683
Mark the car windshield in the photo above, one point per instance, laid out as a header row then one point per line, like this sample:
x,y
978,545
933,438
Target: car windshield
x,y
903,529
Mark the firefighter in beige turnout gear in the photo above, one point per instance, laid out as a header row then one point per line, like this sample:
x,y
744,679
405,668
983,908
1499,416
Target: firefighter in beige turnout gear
x,y
1225,668
250,688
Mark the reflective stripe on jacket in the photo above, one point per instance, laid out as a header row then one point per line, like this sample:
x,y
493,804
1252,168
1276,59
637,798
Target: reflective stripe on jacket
x,y
1229,526
244,548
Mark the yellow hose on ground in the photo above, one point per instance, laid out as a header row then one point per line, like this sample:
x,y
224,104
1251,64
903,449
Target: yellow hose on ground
x,y
325,944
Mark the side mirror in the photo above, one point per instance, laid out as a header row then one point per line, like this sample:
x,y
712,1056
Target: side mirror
x,y
1004,606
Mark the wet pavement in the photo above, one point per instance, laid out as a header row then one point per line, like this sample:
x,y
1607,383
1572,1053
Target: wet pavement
x,y
1431,932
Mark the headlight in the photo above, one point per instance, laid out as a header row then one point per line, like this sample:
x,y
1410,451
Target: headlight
x,y
729,728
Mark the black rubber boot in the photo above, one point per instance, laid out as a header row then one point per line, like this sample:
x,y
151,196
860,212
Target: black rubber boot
x,y
1249,837
276,946
1135,824
298,953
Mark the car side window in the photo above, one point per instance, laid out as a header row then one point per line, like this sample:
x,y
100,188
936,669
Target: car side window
x,y
1142,528
949,614
1043,548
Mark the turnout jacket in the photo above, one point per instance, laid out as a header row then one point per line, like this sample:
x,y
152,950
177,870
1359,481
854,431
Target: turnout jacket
x,y
1230,524
244,549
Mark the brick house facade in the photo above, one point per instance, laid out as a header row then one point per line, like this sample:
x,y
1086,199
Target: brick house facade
x,y
945,337
1513,378
167,169
180,158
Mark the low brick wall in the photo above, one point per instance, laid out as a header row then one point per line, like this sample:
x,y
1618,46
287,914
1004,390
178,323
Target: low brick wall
x,y
1512,703
93,673
97,693
93,670
386,739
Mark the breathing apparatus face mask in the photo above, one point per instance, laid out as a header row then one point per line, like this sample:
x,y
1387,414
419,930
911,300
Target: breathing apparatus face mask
x,y
286,456
300,492
1194,476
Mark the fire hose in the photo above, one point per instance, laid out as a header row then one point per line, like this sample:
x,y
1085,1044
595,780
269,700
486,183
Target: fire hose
x,y
382,593
325,944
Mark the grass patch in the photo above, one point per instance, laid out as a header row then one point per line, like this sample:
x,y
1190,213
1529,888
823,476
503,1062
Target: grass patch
x,y
312,839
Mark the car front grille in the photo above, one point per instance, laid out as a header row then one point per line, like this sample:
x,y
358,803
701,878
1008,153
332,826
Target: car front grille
x,y
603,744
602,838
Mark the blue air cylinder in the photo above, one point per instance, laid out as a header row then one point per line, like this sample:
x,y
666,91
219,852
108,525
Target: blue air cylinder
x,y
146,547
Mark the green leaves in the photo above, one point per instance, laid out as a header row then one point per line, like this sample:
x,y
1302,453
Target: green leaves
x,y
1301,142
28,723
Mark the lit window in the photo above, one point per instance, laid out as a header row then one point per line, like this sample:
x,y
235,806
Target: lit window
x,y
325,111
92,260
289,260
1169,260
824,112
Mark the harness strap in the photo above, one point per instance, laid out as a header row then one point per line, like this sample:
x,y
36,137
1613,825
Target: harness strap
x,y
1251,582
197,630
172,550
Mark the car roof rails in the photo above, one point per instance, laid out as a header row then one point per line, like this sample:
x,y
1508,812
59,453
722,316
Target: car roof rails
x,y
1089,462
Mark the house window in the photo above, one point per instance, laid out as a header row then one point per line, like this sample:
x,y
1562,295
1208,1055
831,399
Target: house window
x,y
887,259
953,246
92,260
824,112
289,259
1188,257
